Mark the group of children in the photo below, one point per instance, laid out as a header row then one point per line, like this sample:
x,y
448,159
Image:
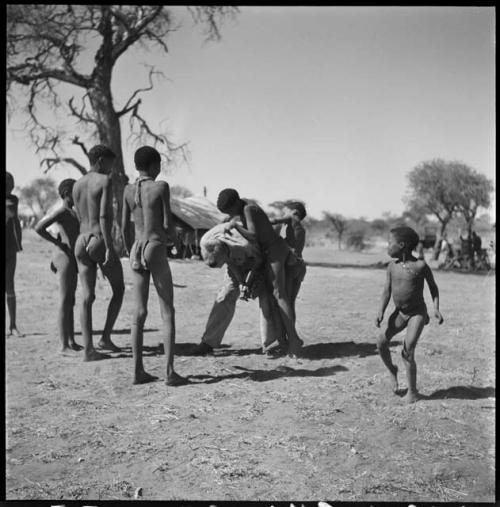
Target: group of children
x,y
267,266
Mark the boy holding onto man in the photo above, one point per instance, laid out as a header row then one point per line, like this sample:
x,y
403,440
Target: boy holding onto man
x,y
405,281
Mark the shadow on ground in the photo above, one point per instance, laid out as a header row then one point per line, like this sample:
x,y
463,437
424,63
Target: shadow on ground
x,y
265,375
117,331
333,350
461,393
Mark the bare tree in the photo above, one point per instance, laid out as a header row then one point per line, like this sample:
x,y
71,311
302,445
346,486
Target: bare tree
x,y
47,46
339,223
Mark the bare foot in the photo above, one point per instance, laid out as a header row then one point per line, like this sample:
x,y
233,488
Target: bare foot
x,y
144,378
108,345
293,351
15,332
412,397
68,352
75,346
175,379
394,380
93,355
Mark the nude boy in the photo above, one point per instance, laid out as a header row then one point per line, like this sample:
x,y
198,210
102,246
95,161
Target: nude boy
x,y
149,202
94,247
257,227
13,240
405,281
64,262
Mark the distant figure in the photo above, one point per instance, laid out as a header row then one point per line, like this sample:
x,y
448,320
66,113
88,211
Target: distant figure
x,y
13,244
149,202
476,244
405,280
64,262
93,198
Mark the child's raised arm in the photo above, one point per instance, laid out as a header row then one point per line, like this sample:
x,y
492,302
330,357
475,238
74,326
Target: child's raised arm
x,y
386,296
434,292
44,223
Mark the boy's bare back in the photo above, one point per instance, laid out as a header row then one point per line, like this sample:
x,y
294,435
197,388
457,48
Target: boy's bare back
x,y
259,224
150,220
87,195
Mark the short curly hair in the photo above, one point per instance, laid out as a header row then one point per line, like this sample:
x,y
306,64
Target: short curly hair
x,y
66,187
298,207
227,198
407,235
100,151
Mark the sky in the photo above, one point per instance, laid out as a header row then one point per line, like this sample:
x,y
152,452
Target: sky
x,y
329,105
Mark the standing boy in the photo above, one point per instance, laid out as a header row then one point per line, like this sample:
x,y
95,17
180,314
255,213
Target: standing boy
x,y
149,202
405,280
257,227
94,247
64,262
13,239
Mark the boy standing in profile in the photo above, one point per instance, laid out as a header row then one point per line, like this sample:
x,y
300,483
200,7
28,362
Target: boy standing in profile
x,y
405,281
64,262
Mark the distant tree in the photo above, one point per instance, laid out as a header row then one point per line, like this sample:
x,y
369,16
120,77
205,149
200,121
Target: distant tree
x,y
379,226
39,195
433,191
180,191
339,222
473,192
52,45
357,230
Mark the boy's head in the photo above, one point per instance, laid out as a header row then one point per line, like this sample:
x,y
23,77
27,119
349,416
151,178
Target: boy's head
x,y
9,183
148,160
66,190
215,253
297,208
101,158
229,201
403,240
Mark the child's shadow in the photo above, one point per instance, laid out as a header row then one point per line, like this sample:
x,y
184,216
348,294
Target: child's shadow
x,y
127,352
117,331
461,393
265,375
333,350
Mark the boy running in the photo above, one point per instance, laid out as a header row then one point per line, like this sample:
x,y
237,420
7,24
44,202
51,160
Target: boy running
x,y
405,280
13,239
149,202
257,227
64,262
94,247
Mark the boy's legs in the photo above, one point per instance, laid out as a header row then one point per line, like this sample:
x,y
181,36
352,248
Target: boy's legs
x,y
395,324
141,293
414,330
88,273
114,274
10,269
66,269
156,257
271,328
276,257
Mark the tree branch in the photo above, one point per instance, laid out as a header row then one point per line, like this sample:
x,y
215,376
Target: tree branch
x,y
76,140
51,162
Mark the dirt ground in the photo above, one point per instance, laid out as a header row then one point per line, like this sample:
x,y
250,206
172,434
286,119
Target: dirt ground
x,y
327,428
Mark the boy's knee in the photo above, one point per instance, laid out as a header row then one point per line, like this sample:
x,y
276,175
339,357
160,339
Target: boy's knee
x,y
382,341
408,354
140,315
88,298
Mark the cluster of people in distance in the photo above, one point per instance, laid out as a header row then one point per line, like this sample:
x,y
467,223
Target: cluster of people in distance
x,y
259,264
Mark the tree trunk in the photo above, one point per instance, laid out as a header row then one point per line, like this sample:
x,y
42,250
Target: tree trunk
x,y
470,249
340,240
109,131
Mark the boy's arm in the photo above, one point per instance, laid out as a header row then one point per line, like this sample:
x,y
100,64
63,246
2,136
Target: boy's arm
x,y
277,221
168,222
386,296
434,292
44,223
126,236
106,219
17,227
250,233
